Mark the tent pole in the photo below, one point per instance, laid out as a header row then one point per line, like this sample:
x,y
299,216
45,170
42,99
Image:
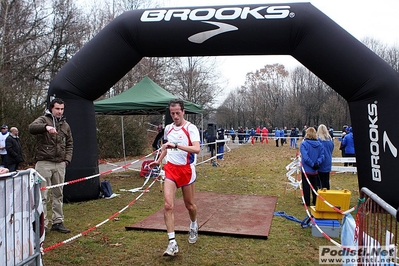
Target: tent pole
x,y
123,141
203,141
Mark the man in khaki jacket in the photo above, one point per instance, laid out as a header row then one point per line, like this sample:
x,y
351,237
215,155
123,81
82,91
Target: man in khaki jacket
x,y
53,154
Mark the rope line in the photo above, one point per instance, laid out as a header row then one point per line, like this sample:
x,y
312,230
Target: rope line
x,y
288,217
102,223
322,199
295,184
313,220
44,250
96,175
126,166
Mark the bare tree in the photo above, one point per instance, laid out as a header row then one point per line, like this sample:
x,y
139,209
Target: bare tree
x,y
268,99
335,110
227,112
37,37
389,54
22,58
392,58
99,14
194,79
64,37
20,53
155,68
268,85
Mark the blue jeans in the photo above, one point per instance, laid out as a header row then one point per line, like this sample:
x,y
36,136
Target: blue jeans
x,y
293,143
220,151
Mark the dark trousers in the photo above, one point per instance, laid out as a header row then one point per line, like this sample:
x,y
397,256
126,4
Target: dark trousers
x,y
212,149
13,167
315,181
350,164
4,160
325,179
343,155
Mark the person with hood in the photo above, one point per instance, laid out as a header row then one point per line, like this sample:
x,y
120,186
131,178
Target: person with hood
x,y
14,150
312,154
232,134
252,134
349,145
265,135
326,140
341,146
276,135
53,155
257,134
3,152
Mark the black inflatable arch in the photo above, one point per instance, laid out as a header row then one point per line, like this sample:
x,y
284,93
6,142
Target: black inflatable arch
x,y
367,82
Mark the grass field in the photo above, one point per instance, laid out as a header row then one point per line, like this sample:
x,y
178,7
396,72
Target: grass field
x,y
247,169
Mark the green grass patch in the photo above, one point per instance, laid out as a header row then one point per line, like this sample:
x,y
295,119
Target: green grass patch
x,y
246,170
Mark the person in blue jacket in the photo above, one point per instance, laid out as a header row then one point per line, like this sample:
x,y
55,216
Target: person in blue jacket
x,y
276,135
312,154
326,140
232,134
349,145
252,134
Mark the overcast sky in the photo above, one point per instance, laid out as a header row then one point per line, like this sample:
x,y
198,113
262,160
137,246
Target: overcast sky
x,y
361,18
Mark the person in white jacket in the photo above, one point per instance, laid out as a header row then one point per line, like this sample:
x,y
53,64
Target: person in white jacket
x,y
3,152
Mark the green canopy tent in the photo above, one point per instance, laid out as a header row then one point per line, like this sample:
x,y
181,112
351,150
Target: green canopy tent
x,y
144,98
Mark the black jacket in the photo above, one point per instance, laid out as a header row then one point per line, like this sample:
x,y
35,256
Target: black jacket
x,y
14,150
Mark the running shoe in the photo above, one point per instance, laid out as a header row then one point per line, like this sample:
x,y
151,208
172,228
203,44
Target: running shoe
x,y
193,236
172,249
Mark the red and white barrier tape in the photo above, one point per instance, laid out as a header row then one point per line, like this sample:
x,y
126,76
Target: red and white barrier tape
x,y
103,222
311,217
114,215
92,176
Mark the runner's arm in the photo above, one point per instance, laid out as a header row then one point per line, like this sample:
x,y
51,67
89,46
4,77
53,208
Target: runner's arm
x,y
195,148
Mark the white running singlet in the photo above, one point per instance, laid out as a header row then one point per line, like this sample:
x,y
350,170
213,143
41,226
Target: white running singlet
x,y
183,135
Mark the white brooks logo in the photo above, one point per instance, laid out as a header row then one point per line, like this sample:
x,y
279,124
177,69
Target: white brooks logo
x,y
386,140
205,35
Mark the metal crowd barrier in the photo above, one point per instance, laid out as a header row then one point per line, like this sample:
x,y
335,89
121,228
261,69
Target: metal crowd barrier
x,y
344,169
20,210
378,230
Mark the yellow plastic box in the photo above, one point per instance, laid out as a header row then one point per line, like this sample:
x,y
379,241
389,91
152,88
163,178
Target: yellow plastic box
x,y
338,198
325,215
